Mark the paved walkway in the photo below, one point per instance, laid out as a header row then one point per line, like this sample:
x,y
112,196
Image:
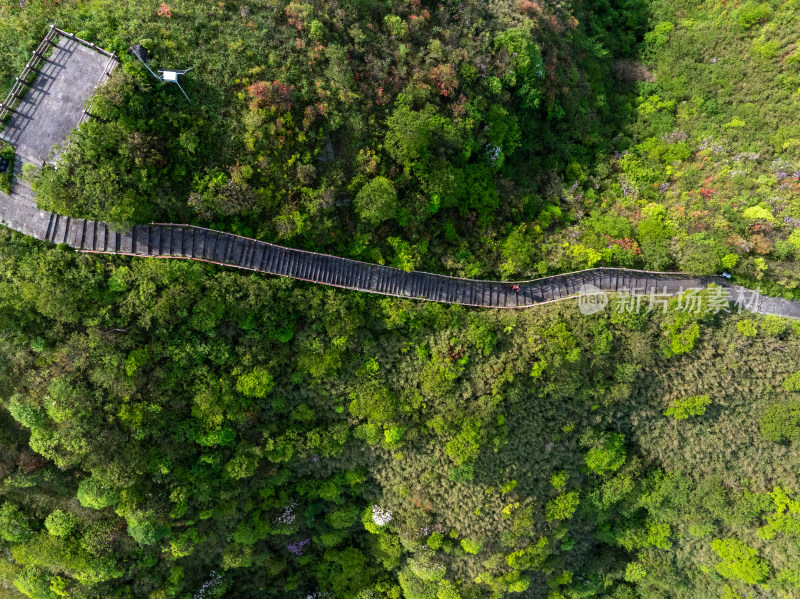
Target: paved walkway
x,y
54,104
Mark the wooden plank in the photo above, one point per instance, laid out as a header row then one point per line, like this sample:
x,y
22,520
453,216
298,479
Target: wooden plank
x,y
375,279
494,295
282,267
76,233
404,283
51,223
257,256
396,285
247,253
348,274
61,230
126,242
157,241
55,230
142,239
290,265
254,259
447,290
322,271
439,288
211,245
102,237
166,240
331,272
227,246
221,247
410,282
199,244
413,284
435,291
425,286
80,234
394,282
308,266
114,241
237,249
340,274
187,248
364,275
177,241
315,265
450,290
266,254
270,259
301,266
247,245
275,261
88,235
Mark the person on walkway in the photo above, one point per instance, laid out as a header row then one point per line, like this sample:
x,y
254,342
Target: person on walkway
x,y
515,288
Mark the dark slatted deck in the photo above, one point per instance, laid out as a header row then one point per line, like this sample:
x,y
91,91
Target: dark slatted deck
x,y
183,241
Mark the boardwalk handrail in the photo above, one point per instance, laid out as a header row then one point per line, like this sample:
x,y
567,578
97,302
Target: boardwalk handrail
x,y
72,36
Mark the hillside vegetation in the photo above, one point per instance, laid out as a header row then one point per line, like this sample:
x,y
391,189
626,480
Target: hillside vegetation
x,y
176,430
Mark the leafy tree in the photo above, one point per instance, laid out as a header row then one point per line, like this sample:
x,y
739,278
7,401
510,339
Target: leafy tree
x,y
60,524
92,493
739,562
377,201
563,506
607,455
15,526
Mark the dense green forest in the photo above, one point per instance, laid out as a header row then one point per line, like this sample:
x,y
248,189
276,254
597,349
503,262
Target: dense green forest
x,y
172,429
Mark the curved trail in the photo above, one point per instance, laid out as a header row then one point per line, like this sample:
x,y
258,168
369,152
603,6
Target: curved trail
x,y
196,243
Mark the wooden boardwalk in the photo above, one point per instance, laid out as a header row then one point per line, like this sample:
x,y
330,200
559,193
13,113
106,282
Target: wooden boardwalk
x,y
196,243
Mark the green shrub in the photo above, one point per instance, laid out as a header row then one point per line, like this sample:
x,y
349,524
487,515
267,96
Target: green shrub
x,y
747,327
470,546
7,151
774,325
792,382
752,13
691,406
781,421
256,383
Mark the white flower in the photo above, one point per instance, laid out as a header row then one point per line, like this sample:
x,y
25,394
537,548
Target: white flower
x,y
381,516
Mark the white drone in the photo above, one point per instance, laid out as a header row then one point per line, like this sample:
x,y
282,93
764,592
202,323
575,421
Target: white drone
x,y
170,76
